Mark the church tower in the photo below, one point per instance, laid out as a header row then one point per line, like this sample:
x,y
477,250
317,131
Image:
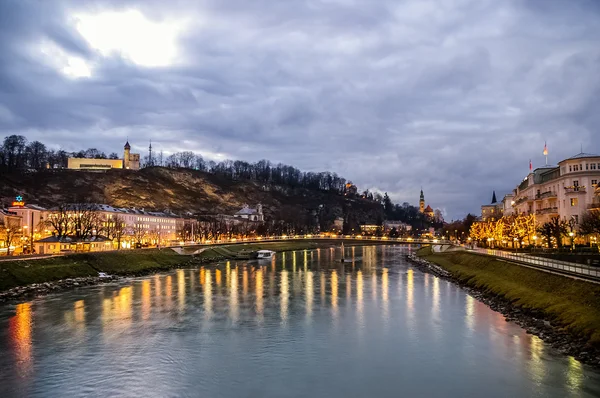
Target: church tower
x,y
422,202
127,149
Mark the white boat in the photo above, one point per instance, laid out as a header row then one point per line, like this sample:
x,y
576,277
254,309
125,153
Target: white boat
x,y
262,254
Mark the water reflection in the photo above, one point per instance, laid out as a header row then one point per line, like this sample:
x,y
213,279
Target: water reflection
x,y
259,295
233,295
394,319
284,296
207,285
19,327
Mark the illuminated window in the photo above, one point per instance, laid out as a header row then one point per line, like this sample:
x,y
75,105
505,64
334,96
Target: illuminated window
x,y
573,202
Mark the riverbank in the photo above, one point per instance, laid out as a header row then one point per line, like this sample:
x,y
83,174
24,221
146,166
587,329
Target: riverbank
x,y
23,278
563,312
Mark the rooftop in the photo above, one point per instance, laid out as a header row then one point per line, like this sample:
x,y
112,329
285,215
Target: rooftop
x,y
72,239
583,155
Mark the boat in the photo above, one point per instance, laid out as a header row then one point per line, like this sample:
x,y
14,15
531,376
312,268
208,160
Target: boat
x,y
264,254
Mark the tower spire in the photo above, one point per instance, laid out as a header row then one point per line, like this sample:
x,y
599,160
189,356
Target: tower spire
x,y
150,161
494,197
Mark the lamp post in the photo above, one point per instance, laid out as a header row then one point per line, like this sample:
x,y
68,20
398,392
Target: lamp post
x,y
572,235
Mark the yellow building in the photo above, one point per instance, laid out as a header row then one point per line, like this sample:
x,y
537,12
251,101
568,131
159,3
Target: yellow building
x,y
130,161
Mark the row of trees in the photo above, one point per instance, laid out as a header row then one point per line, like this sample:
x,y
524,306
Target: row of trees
x,y
519,230
508,231
16,153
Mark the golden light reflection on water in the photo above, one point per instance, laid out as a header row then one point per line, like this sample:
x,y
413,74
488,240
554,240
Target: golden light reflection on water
x,y
294,261
436,298
169,292
20,328
309,294
234,311
181,289
259,295
410,291
385,294
334,293
348,288
284,296
322,288
208,299
536,364
359,297
245,283
470,312
410,305
575,375
305,260
218,277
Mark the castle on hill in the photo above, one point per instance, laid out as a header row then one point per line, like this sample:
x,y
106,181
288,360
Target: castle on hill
x,y
130,161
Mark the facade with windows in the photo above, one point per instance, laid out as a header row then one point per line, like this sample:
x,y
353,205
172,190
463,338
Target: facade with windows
x,y
139,227
567,190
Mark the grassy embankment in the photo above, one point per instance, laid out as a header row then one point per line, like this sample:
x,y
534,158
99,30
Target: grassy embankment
x,y
24,272
570,303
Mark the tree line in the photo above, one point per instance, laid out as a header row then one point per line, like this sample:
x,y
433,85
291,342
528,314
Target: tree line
x,y
17,154
517,231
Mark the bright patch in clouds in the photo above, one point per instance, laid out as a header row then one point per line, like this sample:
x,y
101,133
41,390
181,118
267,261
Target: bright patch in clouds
x,y
58,59
77,67
132,36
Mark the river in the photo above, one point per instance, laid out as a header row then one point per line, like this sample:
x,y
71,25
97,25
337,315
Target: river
x,y
301,325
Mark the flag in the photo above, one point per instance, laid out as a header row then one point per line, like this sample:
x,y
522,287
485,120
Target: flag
x,y
545,149
530,165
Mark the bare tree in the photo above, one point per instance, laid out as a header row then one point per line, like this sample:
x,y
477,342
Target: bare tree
x,y
10,231
119,229
85,220
59,220
139,232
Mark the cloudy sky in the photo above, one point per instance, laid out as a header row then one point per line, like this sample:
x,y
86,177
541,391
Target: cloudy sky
x,y
452,95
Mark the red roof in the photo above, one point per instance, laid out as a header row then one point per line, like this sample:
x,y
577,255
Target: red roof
x,y
428,209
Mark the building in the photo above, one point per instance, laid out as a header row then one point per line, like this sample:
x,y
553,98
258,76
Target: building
x,y
130,161
8,220
428,211
139,226
57,245
493,211
249,214
32,221
567,190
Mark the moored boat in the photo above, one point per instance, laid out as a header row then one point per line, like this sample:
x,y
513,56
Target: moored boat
x,y
264,254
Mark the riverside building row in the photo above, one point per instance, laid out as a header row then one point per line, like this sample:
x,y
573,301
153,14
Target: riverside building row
x,y
567,190
141,226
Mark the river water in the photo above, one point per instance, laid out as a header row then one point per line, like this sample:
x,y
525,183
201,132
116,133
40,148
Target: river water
x,y
301,325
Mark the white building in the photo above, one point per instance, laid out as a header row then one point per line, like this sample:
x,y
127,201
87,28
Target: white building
x,y
251,214
566,190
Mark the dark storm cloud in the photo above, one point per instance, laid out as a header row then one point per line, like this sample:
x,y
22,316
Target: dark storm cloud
x,y
452,95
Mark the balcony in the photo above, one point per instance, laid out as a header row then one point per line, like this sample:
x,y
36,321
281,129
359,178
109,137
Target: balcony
x,y
521,200
575,189
545,195
547,210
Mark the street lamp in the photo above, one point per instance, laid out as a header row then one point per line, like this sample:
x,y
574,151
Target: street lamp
x,y
572,235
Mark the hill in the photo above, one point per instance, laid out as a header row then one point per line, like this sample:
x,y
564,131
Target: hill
x,y
182,191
